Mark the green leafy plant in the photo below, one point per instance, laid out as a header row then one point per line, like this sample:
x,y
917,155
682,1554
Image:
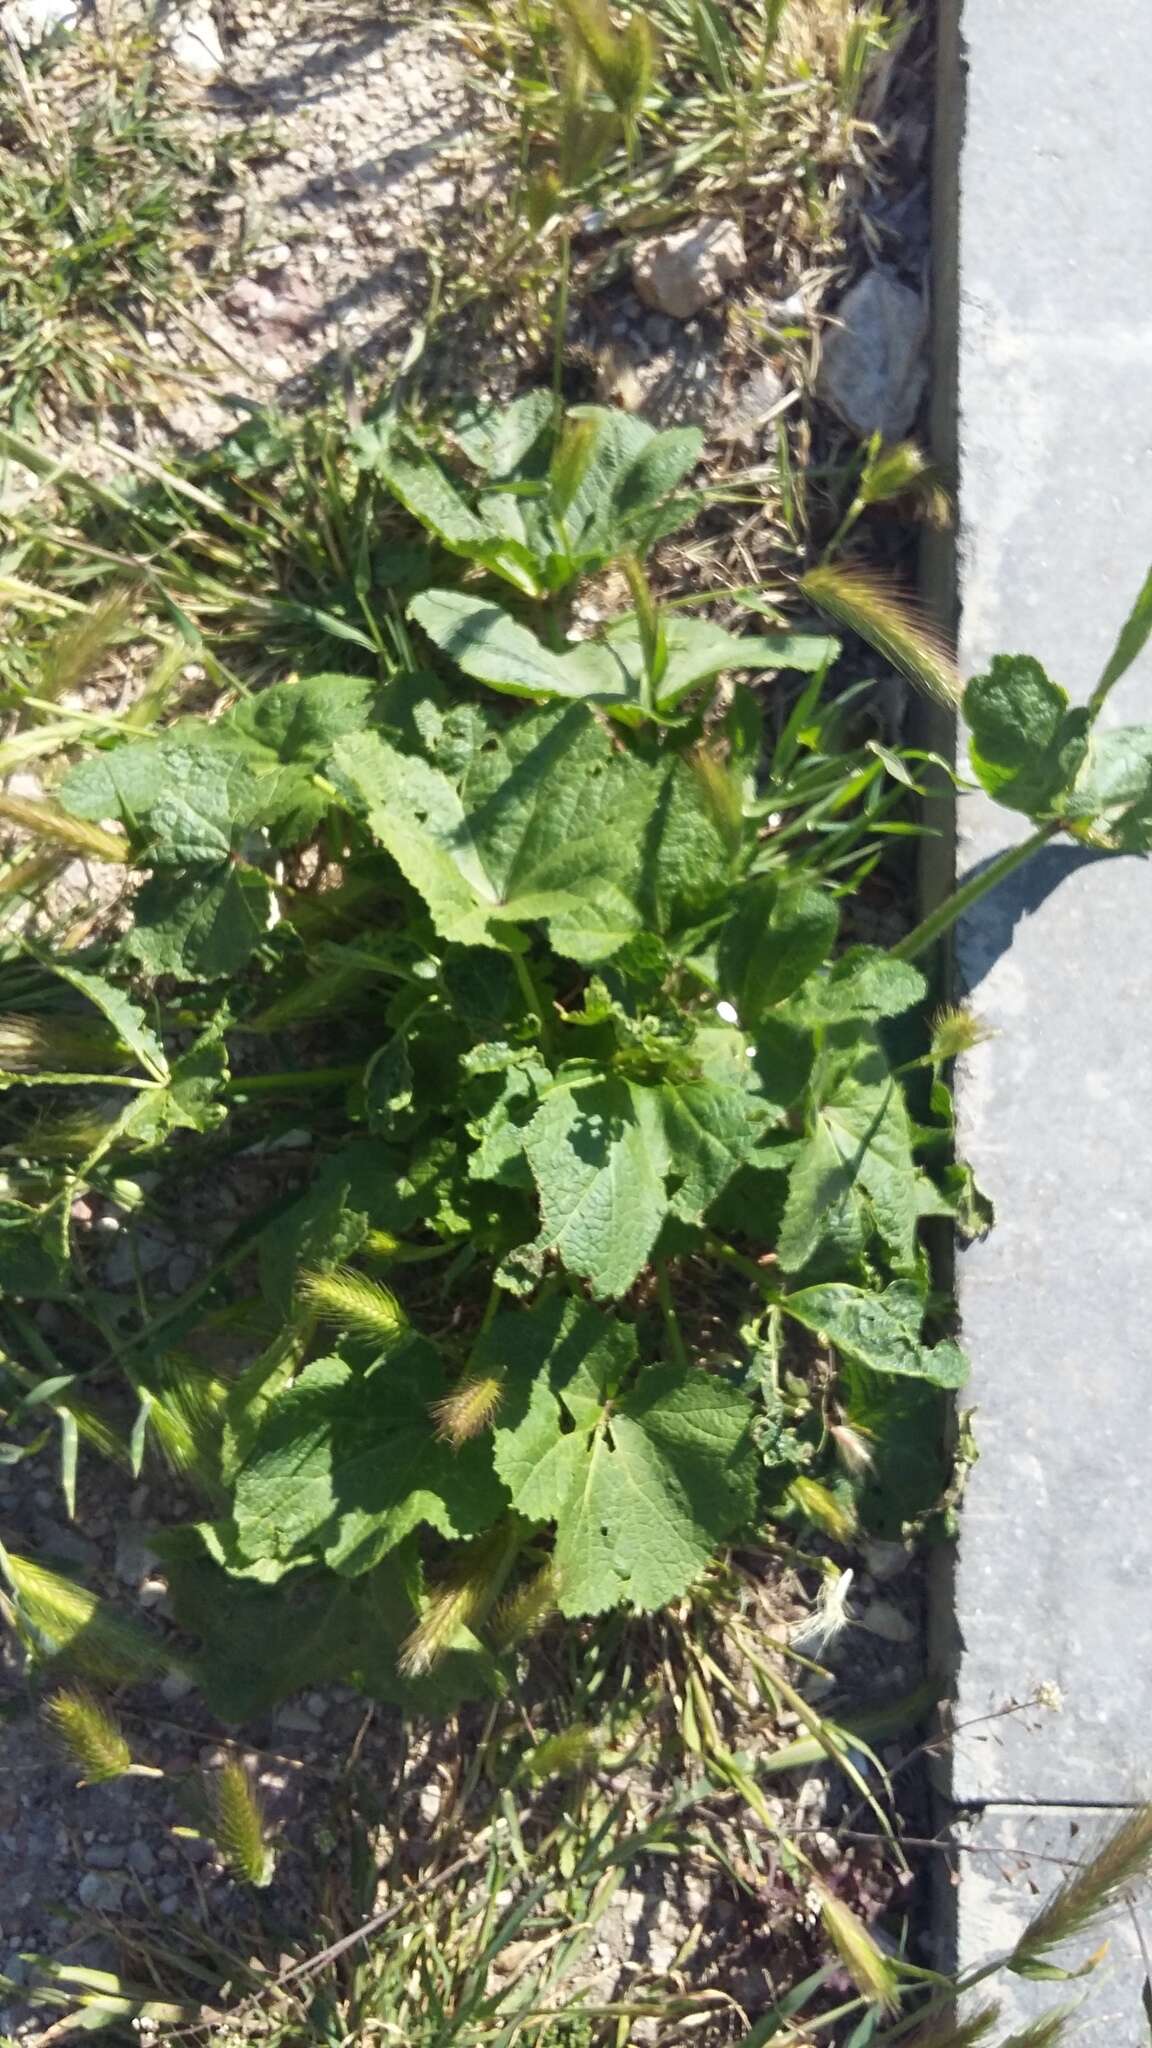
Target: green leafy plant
x,y
603,1063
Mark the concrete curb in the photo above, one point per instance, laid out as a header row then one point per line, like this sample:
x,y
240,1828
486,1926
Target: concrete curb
x,y
1044,311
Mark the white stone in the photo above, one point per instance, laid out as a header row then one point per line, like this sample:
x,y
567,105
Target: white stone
x,y
30,22
682,273
194,44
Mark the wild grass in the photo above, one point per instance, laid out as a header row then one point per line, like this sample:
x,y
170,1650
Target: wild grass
x,y
760,109
105,196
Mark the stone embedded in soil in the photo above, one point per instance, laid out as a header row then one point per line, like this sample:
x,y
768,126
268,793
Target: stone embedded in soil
x,y
874,370
106,1855
682,273
101,1891
30,22
135,1560
751,405
194,44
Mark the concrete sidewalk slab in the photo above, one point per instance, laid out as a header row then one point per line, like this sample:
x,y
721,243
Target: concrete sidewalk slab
x,y
1055,500
1051,326
1010,1859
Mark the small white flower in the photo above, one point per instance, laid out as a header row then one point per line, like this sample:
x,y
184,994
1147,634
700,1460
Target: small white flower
x,y
727,1012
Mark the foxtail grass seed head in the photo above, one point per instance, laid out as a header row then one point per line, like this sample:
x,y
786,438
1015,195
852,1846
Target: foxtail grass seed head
x,y
73,1135
853,1450
462,1598
448,1609
888,622
27,1046
956,1031
1045,2032
622,60
569,466
238,1825
469,1409
562,1756
946,2033
829,1618
92,1737
351,1301
722,792
48,822
525,1610
902,470
870,1969
61,1618
76,650
1090,1893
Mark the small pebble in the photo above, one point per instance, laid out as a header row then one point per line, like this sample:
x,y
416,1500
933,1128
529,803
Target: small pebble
x,y
101,1891
105,1856
181,1272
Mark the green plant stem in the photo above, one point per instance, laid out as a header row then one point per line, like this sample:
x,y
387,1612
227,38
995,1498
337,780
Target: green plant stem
x,y
740,1263
671,1323
563,285
292,1083
942,919
534,1002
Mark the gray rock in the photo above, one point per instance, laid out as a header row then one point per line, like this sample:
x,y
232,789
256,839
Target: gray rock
x,y
874,369
101,1891
141,1859
135,1561
136,1250
751,405
682,273
181,1272
297,1720
105,1855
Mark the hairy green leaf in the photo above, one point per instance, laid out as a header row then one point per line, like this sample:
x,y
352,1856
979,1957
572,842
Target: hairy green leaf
x,y
1024,742
497,650
344,1465
200,926
544,829
854,1179
881,1331
777,934
863,983
641,1482
612,1158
